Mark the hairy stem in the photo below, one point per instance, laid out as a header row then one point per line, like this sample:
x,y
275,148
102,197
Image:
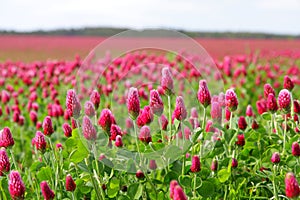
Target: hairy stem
x,y
230,122
170,119
137,142
194,188
274,184
98,195
284,133
94,150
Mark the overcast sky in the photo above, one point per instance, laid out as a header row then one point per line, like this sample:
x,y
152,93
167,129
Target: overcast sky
x,y
272,16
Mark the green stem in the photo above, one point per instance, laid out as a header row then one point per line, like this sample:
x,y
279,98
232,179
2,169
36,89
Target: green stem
x,y
94,150
93,182
275,124
49,163
170,119
230,122
151,183
273,181
284,133
95,187
225,196
73,196
272,122
145,192
225,145
204,120
13,158
231,143
58,135
137,141
203,128
183,161
31,182
53,163
56,177
194,188
3,192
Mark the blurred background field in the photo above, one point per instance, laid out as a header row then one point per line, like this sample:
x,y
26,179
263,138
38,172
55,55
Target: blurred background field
x,y
29,48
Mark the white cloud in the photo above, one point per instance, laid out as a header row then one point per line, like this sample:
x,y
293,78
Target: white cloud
x,y
279,5
279,16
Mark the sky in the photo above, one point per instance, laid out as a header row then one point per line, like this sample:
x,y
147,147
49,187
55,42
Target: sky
x,y
269,16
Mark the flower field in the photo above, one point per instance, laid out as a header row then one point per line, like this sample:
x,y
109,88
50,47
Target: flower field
x,y
32,47
152,126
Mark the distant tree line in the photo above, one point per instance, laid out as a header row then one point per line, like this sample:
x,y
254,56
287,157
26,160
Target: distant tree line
x,y
105,32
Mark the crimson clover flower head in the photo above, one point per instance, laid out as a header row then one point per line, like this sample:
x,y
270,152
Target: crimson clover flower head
x,y
39,141
216,112
204,96
221,99
106,119
95,98
240,140
291,186
89,109
231,100
288,83
180,112
152,164
194,113
261,106
16,185
234,163
214,165
89,131
145,117
156,103
179,193
115,130
249,111
167,81
296,107
173,183
284,100
4,161
145,134
275,158
295,149
242,124
139,174
67,130
47,126
196,165
47,193
227,114
5,96
119,142
164,122
6,139
133,103
70,183
73,104
272,103
268,89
